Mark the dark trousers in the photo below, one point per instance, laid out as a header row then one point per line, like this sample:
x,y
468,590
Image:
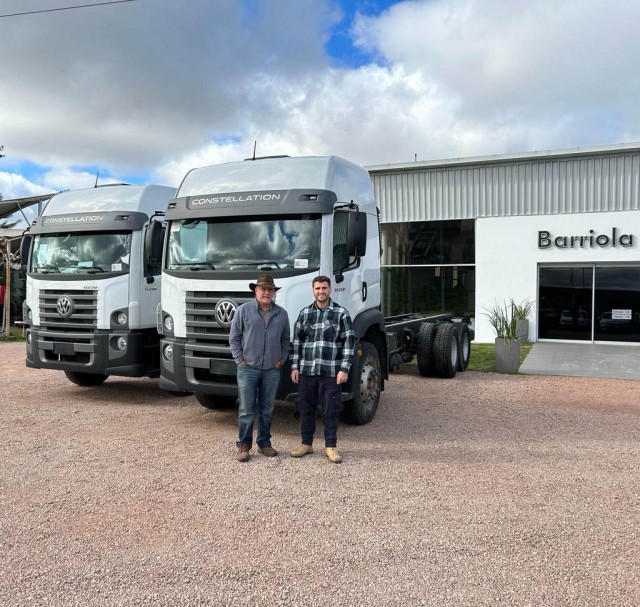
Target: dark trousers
x,y
314,390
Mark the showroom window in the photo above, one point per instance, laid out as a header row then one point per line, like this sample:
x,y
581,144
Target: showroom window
x,y
589,303
428,267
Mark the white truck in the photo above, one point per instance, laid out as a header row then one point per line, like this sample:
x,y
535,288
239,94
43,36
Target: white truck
x,y
93,283
294,218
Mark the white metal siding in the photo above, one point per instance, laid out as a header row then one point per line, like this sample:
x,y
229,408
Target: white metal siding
x,y
587,183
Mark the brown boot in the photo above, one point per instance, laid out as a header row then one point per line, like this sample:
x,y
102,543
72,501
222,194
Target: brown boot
x,y
268,451
301,451
243,453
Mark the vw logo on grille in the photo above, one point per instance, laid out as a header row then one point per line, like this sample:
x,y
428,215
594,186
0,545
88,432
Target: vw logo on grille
x,y
65,306
225,311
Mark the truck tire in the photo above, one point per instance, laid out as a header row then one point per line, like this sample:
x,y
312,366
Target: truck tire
x,y
366,385
214,401
86,379
424,349
445,349
464,345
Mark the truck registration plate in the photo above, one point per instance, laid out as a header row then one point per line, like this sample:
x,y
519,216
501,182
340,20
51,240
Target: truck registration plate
x,y
63,348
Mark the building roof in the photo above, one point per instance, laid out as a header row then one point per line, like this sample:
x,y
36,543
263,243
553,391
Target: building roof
x,y
506,158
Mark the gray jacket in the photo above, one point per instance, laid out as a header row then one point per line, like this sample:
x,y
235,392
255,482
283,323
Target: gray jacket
x,y
256,345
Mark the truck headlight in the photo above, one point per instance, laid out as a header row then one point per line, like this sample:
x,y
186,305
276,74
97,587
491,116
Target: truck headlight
x,y
122,318
167,352
168,323
121,343
29,316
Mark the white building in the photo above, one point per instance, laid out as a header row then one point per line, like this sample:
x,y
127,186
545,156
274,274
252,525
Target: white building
x,y
559,229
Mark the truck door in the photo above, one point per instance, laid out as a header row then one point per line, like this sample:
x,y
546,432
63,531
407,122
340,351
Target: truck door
x,y
349,289
152,269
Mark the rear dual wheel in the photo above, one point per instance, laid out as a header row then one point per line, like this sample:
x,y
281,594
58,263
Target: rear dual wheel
x,y
443,348
464,345
424,351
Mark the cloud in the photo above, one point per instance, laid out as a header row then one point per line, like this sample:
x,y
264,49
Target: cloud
x,y
130,85
554,65
13,185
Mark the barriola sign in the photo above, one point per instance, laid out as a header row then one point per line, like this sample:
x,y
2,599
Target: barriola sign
x,y
546,240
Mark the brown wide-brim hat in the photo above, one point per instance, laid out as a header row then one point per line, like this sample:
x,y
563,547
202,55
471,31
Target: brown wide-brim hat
x,y
264,280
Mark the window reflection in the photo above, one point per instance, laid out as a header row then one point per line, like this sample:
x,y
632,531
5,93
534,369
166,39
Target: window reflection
x,y
428,242
564,303
566,311
428,290
292,242
81,252
617,297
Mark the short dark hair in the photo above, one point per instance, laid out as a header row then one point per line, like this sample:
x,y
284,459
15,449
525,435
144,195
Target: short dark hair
x,y
321,279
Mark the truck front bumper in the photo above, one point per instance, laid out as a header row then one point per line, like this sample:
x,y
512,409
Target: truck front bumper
x,y
190,369
87,353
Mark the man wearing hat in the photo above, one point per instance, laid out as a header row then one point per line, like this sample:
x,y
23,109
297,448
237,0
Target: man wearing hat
x,y
259,341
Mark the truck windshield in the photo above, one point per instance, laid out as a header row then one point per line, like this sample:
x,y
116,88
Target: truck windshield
x,y
81,252
271,243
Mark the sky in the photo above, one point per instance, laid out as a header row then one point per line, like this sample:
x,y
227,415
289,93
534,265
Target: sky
x,y
141,91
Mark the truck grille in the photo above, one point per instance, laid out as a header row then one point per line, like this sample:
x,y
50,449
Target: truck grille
x,y
207,336
202,324
83,317
203,327
69,337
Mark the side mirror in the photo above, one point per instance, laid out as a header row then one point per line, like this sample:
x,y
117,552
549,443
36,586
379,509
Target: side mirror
x,y
25,246
356,234
153,240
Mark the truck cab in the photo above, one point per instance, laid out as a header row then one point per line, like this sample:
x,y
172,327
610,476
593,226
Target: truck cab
x,y
294,218
92,284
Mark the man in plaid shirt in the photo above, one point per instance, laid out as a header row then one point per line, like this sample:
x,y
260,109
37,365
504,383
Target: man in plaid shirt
x,y
323,343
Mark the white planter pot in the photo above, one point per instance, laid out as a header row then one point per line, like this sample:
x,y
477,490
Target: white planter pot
x,y
522,330
507,355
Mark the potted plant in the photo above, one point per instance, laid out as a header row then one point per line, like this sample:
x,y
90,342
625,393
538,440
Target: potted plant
x,y
501,318
520,312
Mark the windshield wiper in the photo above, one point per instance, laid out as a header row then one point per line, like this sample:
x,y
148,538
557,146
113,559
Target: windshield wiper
x,y
266,264
199,265
47,269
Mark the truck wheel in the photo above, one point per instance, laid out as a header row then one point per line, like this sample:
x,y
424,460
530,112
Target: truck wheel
x,y
366,382
86,379
213,401
464,345
424,351
445,349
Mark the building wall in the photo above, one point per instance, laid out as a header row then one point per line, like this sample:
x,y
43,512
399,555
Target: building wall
x,y
570,181
508,255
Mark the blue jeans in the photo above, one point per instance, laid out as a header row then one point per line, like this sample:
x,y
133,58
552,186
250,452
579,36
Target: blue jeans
x,y
256,390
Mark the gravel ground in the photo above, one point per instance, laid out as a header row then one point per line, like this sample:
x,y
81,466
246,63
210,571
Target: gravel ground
x,y
482,490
